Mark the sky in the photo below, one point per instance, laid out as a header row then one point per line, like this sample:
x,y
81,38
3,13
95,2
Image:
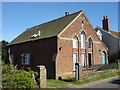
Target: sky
x,y
18,16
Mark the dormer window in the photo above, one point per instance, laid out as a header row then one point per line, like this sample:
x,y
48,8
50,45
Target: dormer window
x,y
99,34
36,35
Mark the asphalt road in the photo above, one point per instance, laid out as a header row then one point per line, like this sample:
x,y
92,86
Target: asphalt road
x,y
107,83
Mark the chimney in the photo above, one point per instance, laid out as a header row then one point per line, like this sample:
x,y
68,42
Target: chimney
x,y
67,13
106,23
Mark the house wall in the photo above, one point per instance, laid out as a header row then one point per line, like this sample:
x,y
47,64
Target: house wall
x,y
42,52
112,43
64,60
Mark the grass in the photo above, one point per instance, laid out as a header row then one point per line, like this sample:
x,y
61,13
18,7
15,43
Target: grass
x,y
66,82
56,84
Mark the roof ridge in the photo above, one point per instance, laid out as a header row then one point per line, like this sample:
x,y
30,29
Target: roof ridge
x,y
53,20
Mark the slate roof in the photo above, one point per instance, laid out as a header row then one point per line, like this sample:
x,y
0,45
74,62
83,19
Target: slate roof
x,y
48,29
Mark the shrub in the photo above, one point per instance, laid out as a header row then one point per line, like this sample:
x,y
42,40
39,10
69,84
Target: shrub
x,y
14,78
8,68
109,66
19,80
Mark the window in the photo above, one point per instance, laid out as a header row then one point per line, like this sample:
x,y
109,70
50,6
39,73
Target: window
x,y
82,40
82,25
75,60
26,59
99,34
90,43
75,42
83,58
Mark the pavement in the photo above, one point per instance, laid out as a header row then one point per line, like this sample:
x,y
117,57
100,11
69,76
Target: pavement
x,y
113,82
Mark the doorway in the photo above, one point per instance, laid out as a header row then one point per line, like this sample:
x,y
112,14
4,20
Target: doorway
x,y
103,57
90,60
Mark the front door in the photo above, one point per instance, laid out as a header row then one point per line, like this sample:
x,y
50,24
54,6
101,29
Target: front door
x,y
103,58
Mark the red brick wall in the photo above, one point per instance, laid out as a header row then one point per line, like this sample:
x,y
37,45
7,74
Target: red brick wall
x,y
42,53
64,61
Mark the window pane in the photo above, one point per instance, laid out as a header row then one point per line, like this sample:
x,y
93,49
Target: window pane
x,y
25,58
83,40
75,43
83,59
89,43
75,60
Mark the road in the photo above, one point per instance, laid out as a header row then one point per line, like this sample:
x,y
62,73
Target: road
x,y
107,83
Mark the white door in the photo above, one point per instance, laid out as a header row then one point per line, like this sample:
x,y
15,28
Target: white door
x,y
75,60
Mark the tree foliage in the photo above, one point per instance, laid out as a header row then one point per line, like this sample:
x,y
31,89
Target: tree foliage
x,y
3,44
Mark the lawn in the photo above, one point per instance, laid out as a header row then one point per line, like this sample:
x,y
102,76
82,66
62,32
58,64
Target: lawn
x,y
65,83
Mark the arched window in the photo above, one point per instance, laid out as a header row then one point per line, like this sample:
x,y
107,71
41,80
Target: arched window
x,y
89,43
82,40
75,42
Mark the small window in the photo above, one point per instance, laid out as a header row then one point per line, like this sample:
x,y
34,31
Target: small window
x,y
25,59
75,42
82,25
90,43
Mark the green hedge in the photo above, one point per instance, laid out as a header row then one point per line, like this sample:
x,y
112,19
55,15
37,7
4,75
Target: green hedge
x,y
109,66
14,78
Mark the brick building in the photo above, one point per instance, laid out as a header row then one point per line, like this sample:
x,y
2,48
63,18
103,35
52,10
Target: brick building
x,y
59,44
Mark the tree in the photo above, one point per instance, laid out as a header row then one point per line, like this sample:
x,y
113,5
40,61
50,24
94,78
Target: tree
x,y
3,44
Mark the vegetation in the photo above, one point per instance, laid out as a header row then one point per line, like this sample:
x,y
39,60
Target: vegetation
x,y
65,83
14,78
109,66
114,57
3,45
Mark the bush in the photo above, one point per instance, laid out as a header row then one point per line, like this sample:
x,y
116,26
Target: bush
x,y
8,68
13,78
19,80
109,66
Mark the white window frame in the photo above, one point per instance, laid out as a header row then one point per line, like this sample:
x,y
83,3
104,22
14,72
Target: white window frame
x,y
83,61
83,41
75,42
75,61
25,59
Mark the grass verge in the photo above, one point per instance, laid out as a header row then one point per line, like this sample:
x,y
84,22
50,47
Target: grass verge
x,y
65,83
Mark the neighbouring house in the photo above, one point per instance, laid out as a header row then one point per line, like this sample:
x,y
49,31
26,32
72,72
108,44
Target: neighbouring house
x,y
110,38
59,44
